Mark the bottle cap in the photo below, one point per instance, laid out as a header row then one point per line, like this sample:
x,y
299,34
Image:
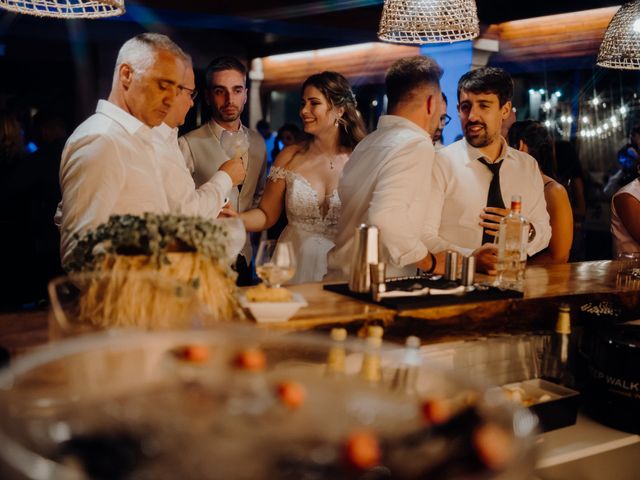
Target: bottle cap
x,y
516,203
338,334
375,331
412,342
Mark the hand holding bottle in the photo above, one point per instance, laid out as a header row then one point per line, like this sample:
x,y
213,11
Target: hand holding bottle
x,y
491,217
512,248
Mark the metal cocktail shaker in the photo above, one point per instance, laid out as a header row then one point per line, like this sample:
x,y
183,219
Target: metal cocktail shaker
x,y
366,250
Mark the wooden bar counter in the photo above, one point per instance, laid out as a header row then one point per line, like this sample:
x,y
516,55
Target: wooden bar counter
x,y
584,286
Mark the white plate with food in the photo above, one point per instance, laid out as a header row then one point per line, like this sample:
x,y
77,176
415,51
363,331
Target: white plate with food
x,y
269,304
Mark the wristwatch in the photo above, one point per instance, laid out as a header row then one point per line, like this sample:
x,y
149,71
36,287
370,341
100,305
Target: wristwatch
x,y
532,232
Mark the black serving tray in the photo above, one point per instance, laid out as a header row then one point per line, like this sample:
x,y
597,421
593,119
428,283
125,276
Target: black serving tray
x,y
482,293
559,412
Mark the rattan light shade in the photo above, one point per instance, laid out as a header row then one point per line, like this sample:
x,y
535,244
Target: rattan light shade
x,y
621,45
66,8
428,21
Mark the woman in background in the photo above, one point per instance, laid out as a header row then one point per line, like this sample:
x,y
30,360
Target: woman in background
x,y
304,177
625,218
533,138
573,179
288,134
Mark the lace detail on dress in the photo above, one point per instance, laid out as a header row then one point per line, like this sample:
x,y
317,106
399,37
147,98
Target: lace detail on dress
x,y
277,173
309,230
304,208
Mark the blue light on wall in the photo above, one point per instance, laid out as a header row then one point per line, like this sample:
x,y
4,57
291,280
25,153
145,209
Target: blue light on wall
x,y
455,59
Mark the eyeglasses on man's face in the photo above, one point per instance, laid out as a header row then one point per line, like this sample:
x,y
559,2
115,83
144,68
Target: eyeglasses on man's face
x,y
192,92
444,120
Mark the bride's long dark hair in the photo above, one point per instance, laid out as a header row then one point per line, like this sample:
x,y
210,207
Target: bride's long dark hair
x,y
337,91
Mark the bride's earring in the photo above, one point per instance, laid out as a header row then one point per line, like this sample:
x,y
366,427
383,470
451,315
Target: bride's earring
x,y
337,122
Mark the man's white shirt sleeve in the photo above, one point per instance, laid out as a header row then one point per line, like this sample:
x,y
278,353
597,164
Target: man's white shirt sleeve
x,y
182,194
431,237
401,182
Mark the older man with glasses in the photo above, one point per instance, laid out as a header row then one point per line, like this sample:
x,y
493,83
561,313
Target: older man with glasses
x,y
109,165
182,194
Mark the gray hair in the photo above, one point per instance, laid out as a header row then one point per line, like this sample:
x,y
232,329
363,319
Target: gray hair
x,y
140,52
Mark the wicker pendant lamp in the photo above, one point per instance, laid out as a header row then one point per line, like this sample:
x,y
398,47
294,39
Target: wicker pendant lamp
x,y
621,45
428,21
66,8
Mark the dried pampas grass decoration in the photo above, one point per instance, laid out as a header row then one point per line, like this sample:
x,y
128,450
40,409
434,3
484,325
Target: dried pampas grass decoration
x,y
126,246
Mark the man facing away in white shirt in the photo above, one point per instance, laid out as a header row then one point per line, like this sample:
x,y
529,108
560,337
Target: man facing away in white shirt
x,y
108,164
182,194
457,213
386,181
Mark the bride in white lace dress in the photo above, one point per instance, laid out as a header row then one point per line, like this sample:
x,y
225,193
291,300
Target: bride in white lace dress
x,y
304,177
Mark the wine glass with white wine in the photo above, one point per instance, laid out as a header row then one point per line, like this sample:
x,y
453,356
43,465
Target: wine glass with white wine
x,y
236,145
275,262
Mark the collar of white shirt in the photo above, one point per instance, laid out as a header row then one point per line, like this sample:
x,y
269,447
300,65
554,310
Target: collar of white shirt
x,y
164,132
392,121
218,129
130,123
475,153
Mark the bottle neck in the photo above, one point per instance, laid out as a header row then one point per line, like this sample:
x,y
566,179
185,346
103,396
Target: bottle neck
x,y
516,207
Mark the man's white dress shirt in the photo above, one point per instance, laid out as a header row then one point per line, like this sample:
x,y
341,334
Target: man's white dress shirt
x,y
459,192
182,195
386,183
108,167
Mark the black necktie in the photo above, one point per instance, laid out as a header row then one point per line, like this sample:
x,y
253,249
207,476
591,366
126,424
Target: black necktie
x,y
494,198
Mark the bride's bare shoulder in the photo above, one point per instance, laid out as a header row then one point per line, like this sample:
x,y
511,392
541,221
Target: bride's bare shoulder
x,y
286,158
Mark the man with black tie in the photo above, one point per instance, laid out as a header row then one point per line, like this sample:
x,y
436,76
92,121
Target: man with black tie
x,y
206,148
474,179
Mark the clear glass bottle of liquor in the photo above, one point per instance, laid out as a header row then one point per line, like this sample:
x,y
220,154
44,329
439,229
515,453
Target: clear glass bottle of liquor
x,y
513,236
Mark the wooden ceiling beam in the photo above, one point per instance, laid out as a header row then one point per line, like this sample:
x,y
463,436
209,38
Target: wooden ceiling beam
x,y
366,63
577,34
566,35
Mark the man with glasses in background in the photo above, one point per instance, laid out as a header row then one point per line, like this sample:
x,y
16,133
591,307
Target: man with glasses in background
x,y
206,148
182,194
444,121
